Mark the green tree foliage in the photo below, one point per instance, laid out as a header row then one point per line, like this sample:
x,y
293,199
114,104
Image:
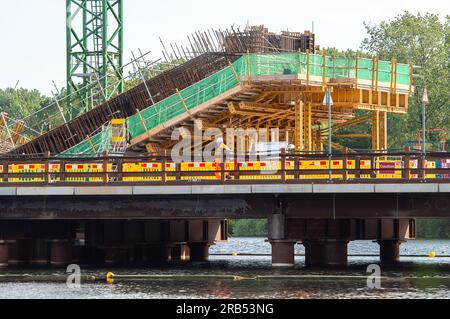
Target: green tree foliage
x,y
248,228
423,40
433,228
23,104
350,54
19,103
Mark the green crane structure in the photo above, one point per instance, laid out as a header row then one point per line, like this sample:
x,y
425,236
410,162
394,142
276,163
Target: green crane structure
x,y
94,52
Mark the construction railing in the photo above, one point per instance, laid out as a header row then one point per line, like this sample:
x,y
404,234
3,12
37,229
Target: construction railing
x,y
291,168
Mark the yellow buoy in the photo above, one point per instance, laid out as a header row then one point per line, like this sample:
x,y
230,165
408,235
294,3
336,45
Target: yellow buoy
x,y
432,254
109,278
234,254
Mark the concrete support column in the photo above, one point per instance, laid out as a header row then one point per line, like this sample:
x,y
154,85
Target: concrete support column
x,y
78,254
158,253
116,256
19,252
60,252
326,253
4,254
186,253
389,251
277,227
39,256
282,249
199,251
180,253
140,253
283,253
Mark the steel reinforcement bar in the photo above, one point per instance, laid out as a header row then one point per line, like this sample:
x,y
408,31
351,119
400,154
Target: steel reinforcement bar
x,y
126,104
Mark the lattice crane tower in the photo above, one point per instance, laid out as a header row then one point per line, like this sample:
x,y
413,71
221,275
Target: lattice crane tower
x,y
94,52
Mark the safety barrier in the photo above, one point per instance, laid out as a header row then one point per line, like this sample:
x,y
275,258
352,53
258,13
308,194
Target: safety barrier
x,y
295,168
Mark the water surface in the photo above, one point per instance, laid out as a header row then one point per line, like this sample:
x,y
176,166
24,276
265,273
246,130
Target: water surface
x,y
422,277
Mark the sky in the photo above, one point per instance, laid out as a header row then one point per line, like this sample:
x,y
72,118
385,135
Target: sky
x,y
33,39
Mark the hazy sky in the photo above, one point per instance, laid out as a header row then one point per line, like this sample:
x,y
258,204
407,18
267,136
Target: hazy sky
x,y
32,32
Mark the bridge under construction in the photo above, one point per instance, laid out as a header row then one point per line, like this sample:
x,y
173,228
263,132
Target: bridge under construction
x,y
103,186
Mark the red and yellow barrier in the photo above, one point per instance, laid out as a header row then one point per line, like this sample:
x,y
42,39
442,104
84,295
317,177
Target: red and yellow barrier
x,y
262,170
85,168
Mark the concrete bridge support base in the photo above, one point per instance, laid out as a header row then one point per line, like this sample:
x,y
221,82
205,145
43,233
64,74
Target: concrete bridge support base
x,y
283,253
107,242
389,251
180,252
19,252
159,253
326,253
39,254
282,248
60,252
4,254
199,251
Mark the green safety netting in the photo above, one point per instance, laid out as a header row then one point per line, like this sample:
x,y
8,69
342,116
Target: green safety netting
x,y
248,65
335,68
192,96
95,145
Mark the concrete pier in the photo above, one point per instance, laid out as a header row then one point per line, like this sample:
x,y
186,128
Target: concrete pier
x,y
4,254
199,251
144,242
180,252
158,253
19,252
60,252
326,253
282,248
39,254
389,251
283,253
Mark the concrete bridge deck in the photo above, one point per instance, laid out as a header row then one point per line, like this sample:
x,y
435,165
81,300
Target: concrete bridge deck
x,y
304,188
335,201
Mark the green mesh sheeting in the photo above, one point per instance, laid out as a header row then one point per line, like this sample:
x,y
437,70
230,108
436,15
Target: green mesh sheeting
x,y
192,96
253,65
335,68
94,146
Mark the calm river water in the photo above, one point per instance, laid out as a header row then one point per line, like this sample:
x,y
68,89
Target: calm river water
x,y
416,277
